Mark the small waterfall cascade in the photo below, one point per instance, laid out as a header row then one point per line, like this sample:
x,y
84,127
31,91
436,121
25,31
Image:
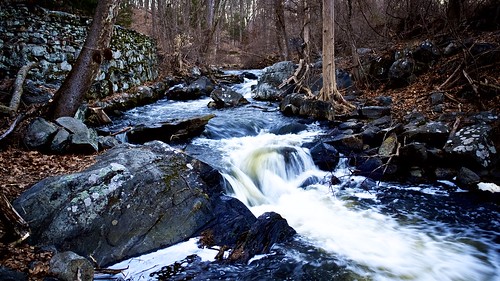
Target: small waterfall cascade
x,y
273,173
367,230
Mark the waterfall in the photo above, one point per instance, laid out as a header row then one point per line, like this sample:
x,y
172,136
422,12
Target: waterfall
x,y
267,173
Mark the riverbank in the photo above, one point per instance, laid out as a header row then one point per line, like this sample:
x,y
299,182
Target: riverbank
x,y
25,168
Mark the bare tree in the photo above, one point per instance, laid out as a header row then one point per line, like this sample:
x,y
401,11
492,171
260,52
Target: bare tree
x,y
281,34
330,92
79,80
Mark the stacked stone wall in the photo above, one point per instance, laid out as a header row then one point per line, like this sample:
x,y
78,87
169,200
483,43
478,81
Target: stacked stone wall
x,y
54,40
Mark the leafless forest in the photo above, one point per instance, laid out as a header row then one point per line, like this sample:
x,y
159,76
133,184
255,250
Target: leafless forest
x,y
255,33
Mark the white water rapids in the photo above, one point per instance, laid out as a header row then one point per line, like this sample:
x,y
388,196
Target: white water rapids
x,y
375,245
269,173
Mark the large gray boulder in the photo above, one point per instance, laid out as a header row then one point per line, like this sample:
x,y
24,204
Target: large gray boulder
x,y
271,78
68,266
134,200
197,89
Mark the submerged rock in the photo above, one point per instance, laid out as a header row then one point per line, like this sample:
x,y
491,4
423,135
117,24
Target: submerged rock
x,y
175,130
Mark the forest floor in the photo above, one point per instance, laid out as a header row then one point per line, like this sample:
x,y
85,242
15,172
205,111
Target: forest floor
x,y
21,168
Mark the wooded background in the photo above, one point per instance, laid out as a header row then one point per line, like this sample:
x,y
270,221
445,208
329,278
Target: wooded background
x,y
256,33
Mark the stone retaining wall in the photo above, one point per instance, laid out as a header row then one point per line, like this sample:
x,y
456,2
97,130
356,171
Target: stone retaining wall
x,y
54,40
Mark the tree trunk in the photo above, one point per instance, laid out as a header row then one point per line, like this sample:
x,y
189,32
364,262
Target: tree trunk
x,y
281,36
306,50
453,13
352,42
329,92
79,80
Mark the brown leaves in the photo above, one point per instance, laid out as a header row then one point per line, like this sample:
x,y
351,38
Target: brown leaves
x,y
19,169
25,258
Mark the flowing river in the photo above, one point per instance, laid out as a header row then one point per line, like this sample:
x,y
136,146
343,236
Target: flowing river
x,y
355,230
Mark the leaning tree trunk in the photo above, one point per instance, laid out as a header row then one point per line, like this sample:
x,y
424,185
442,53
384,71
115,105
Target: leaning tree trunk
x,y
330,92
79,80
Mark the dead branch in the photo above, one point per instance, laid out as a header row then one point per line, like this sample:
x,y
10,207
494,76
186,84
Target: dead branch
x,y
101,115
12,127
110,271
489,85
18,86
294,77
450,77
475,88
450,97
126,129
13,221
454,128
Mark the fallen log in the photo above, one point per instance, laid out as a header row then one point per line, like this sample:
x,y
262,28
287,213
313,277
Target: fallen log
x,y
18,89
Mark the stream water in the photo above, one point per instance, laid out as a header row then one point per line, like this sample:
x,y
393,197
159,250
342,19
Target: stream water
x,y
355,230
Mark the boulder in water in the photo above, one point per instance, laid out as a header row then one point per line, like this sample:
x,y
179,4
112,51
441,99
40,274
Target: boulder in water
x,y
197,89
298,104
176,130
226,97
270,228
325,156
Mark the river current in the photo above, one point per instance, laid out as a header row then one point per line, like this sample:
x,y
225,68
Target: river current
x,y
355,230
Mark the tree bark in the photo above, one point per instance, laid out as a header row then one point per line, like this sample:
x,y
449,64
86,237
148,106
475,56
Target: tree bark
x,y
453,13
329,92
281,36
79,80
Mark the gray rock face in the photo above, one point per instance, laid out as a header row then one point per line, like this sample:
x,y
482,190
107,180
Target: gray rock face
x,y
271,78
374,112
433,133
176,130
473,143
268,229
81,138
467,179
197,89
134,200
